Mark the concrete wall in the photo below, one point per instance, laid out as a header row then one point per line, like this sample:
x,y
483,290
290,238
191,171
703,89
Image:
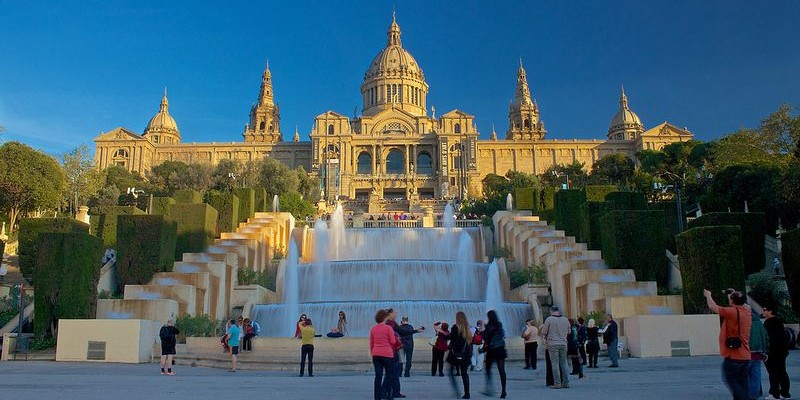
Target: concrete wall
x,y
655,335
154,310
127,340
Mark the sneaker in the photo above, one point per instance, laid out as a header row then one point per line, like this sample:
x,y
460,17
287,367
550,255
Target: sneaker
x,y
556,386
789,397
771,397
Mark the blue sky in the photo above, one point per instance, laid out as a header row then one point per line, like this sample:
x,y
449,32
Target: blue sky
x,y
69,70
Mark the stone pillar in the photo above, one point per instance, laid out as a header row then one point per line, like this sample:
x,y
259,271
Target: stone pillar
x,y
83,214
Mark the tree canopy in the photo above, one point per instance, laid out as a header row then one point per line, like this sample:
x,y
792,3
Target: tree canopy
x,y
29,179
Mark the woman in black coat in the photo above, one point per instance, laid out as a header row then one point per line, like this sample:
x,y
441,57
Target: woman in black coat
x,y
495,348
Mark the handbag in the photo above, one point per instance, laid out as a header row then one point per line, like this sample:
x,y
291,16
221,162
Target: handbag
x,y
735,342
458,358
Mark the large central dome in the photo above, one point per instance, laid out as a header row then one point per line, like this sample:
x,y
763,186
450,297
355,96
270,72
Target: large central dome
x,y
394,79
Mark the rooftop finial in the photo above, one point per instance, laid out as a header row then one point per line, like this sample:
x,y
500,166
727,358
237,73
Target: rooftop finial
x,y
164,103
394,32
623,99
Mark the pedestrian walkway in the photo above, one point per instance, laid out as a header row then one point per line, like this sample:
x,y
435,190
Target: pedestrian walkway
x,y
666,378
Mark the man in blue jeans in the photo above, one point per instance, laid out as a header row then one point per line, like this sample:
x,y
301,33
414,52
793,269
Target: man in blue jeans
x,y
611,338
734,341
554,331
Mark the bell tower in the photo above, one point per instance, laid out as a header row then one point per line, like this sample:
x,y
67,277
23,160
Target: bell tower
x,y
523,113
265,116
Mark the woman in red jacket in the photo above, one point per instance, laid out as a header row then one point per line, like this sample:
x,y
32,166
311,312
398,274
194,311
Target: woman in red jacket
x,y
382,345
440,348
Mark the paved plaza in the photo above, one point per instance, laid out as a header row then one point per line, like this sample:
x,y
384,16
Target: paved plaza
x,y
664,378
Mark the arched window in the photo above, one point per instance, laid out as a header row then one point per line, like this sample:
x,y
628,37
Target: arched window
x,y
330,129
121,153
364,164
262,125
527,124
271,127
424,164
394,162
457,128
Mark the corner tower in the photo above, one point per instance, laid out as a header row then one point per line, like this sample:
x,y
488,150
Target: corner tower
x,y
162,128
523,113
625,125
265,115
394,79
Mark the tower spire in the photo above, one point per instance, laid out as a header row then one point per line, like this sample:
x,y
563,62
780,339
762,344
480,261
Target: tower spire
x,y
522,95
393,34
164,102
265,94
623,99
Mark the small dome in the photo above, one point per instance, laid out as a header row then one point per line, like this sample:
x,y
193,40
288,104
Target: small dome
x,y
624,118
162,121
625,121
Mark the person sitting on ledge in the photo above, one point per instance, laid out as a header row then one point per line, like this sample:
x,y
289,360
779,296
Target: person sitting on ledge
x,y
334,333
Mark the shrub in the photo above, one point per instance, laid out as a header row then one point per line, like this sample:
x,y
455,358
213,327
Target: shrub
x,y
198,326
161,205
67,271
753,226
711,258
263,279
635,240
502,252
599,192
29,231
548,201
293,203
146,246
247,202
187,196
568,210
628,200
197,224
520,277
526,199
791,265
765,289
262,203
104,224
670,222
42,343
591,212
227,206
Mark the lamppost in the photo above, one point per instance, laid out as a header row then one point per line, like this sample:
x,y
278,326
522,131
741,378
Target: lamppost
x,y
134,192
677,186
557,174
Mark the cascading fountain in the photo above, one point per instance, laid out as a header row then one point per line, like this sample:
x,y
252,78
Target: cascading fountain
x,y
509,202
276,204
426,274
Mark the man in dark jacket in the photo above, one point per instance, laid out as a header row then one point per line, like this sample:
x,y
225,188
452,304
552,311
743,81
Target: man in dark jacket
x,y
406,332
776,355
611,338
168,334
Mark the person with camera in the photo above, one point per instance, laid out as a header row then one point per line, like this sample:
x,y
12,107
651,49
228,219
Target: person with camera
x,y
406,332
734,341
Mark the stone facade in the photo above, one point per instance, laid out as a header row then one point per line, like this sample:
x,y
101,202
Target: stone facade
x,y
397,148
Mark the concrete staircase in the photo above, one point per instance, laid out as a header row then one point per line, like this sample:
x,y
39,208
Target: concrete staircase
x,y
207,283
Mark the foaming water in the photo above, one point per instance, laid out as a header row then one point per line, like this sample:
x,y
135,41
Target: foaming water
x,y
402,244
509,202
361,315
276,203
291,289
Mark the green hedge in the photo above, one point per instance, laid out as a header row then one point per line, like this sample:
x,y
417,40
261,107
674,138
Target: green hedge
x,y
146,246
526,199
548,201
790,246
29,231
711,258
197,224
568,210
634,239
262,202
628,200
591,212
599,192
67,271
187,196
247,202
753,227
670,222
227,206
104,224
161,205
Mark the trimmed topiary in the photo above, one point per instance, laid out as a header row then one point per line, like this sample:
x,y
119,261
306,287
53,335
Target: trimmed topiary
x,y
104,224
29,231
247,200
197,225
711,258
634,239
526,199
599,192
227,206
568,210
262,203
670,222
548,200
591,212
146,245
753,227
161,205
67,271
628,200
187,196
790,249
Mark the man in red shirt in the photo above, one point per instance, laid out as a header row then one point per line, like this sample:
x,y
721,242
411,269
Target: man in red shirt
x,y
734,340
